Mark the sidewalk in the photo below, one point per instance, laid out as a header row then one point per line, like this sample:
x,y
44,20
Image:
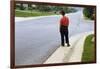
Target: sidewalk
x,y
18,19
69,54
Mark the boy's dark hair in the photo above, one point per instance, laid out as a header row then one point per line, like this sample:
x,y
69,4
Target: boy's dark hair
x,y
62,12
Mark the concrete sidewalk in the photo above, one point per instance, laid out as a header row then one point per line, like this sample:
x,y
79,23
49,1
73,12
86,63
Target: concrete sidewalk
x,y
18,19
69,54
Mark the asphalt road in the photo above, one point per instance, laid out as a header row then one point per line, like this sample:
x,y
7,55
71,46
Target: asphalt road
x,y
37,39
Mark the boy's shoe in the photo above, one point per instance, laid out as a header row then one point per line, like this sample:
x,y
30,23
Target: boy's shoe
x,y
62,45
68,45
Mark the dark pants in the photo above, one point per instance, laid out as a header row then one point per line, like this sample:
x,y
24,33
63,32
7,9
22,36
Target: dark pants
x,y
64,34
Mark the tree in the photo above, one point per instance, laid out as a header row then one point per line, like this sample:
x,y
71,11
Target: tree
x,y
88,12
30,6
21,6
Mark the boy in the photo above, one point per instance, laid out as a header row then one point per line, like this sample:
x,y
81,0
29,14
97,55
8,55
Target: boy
x,y
64,23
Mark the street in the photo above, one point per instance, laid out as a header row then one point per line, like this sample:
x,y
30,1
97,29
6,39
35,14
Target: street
x,y
37,39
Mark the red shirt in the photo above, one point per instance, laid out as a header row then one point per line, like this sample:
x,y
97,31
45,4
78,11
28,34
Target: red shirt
x,y
64,21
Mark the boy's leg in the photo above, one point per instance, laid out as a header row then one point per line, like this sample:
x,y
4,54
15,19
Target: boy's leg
x,y
62,38
67,38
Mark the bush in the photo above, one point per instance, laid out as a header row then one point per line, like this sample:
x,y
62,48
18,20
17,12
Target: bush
x,y
88,13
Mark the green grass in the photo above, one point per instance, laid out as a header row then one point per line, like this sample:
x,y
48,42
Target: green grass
x,y
89,50
31,14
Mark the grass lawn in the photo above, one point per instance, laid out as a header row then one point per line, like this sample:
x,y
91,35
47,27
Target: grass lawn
x,y
89,50
31,14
